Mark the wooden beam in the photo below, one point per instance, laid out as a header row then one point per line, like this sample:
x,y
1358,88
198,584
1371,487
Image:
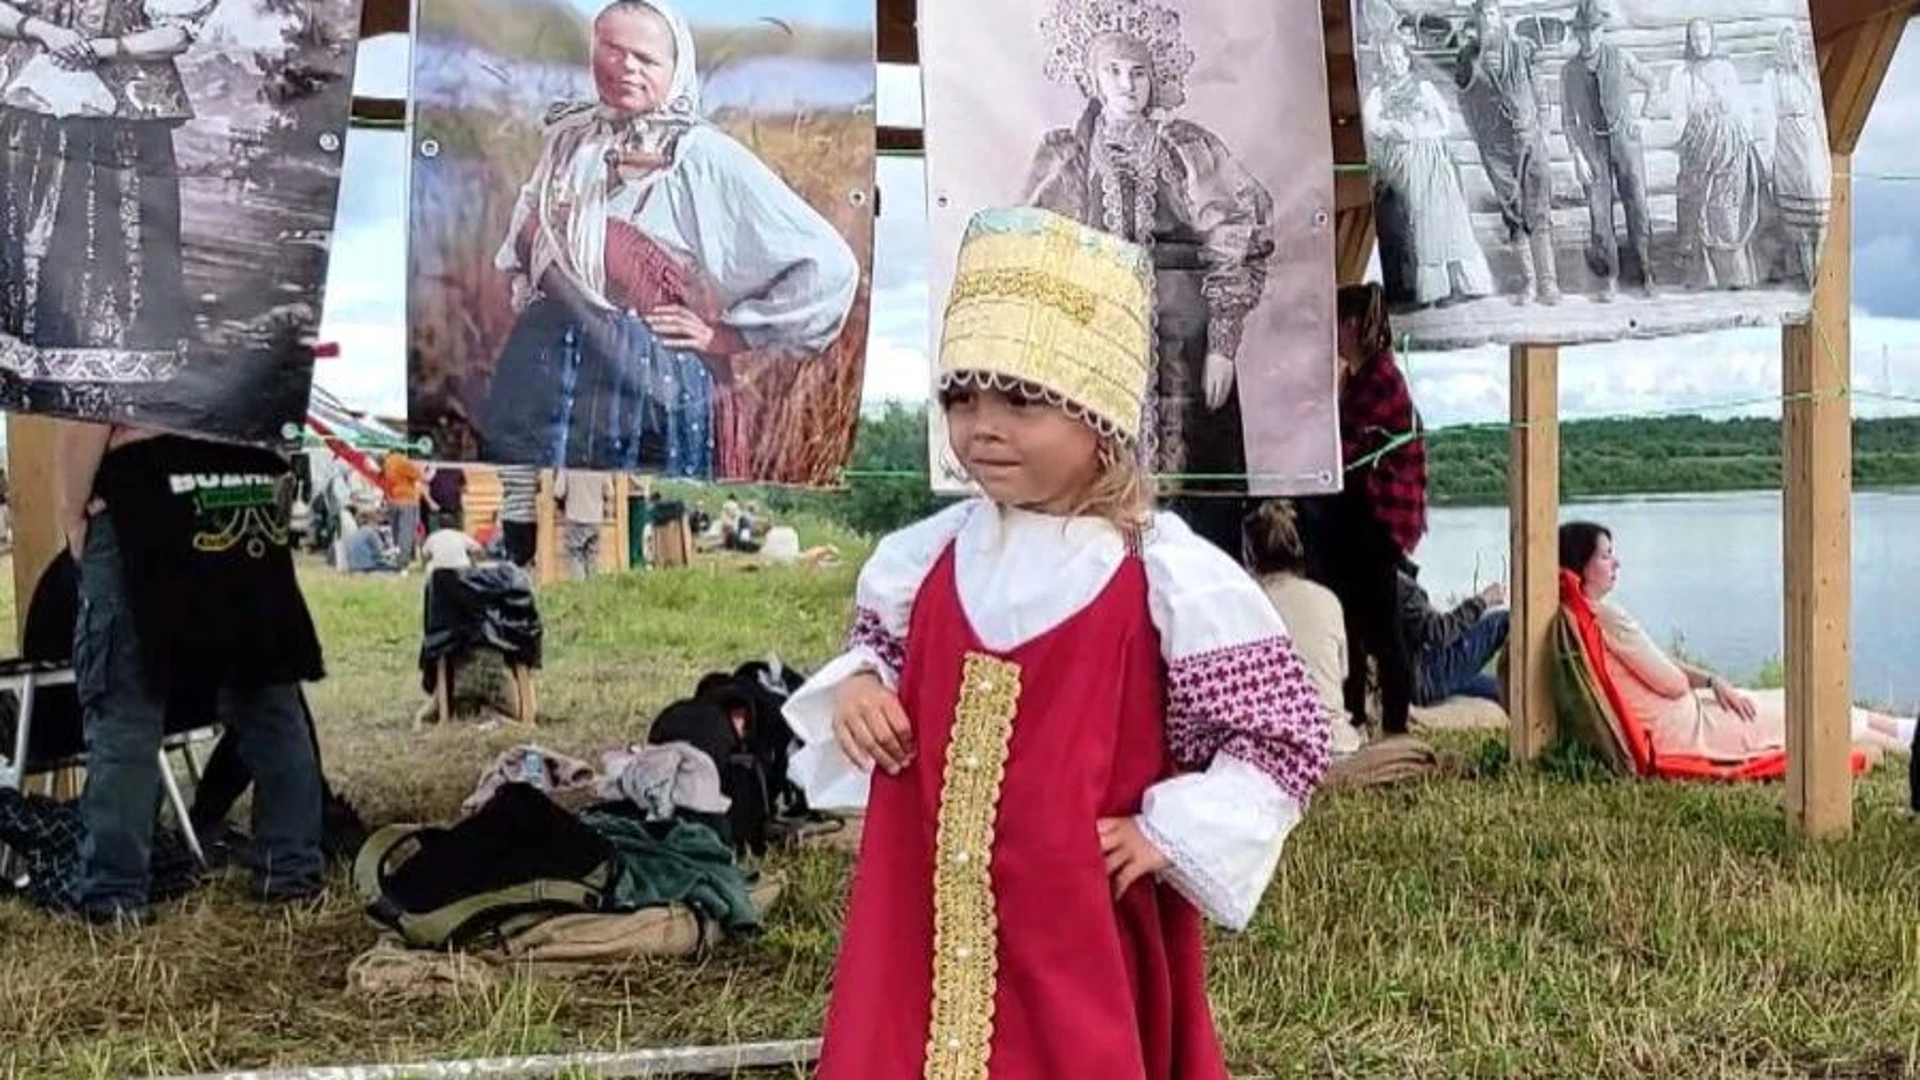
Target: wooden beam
x,y
900,140
1533,497
1853,64
31,446
378,112
897,41
1352,241
1817,536
1834,17
385,17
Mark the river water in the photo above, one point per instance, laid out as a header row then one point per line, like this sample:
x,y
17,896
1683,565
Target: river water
x,y
1705,571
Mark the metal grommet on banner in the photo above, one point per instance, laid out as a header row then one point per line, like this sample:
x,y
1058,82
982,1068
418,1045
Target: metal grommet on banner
x,y
1326,478
1320,218
423,446
289,430
857,197
329,141
942,201
429,147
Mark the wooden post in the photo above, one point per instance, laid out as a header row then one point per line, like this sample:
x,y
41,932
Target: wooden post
x,y
546,559
32,450
31,442
615,558
1817,536
1533,497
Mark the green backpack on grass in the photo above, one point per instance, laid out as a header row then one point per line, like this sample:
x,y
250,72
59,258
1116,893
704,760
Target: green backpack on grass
x,y
519,860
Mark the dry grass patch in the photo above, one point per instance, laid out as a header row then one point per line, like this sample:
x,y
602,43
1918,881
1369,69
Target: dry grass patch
x,y
1504,924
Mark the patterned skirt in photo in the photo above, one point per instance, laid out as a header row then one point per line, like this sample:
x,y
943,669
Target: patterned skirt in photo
x,y
90,247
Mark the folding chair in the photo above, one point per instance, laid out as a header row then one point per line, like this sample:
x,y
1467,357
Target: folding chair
x,y
40,725
1592,711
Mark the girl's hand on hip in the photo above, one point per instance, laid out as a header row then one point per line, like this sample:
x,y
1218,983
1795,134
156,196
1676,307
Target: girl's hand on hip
x,y
870,724
1130,855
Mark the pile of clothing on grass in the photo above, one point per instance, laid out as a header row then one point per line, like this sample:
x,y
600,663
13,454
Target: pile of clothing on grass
x,y
557,865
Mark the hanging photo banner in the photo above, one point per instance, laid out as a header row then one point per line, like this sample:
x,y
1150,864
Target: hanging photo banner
x,y
1592,171
1066,104
168,173
640,234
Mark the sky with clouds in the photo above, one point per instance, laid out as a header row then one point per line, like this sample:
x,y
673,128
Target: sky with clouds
x,y
365,303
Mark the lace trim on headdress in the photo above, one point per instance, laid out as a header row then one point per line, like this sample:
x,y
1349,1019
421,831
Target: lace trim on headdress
x,y
1009,384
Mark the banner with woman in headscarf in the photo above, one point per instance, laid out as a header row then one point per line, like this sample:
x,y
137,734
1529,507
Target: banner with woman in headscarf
x,y
640,243
168,173
1134,117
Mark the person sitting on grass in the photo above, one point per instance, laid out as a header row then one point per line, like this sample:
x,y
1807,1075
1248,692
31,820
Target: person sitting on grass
x,y
1450,650
1686,709
368,549
1271,548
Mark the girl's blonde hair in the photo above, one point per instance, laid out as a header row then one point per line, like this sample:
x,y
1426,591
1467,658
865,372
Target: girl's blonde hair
x,y
1122,490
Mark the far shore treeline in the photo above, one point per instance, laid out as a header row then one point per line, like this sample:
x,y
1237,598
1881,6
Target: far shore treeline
x,y
1467,465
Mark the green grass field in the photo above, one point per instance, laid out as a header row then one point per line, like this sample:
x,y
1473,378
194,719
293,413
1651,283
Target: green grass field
x,y
1495,923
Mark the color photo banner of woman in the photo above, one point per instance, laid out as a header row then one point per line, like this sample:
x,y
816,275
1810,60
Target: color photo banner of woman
x,y
1067,104
641,234
1592,170
168,171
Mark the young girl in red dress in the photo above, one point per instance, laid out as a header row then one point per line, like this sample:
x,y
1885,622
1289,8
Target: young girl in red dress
x,y
1075,726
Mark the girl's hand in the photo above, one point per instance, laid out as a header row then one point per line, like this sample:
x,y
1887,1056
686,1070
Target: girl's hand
x,y
871,726
1130,855
1732,700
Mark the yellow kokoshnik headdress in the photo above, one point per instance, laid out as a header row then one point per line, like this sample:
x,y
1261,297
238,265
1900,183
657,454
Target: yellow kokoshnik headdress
x,y
1043,305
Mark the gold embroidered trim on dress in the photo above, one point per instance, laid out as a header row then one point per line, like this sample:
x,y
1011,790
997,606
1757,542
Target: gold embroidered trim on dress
x,y
966,927
1034,286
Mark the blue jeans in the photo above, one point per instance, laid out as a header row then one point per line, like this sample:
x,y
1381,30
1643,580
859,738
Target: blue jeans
x,y
1459,669
125,720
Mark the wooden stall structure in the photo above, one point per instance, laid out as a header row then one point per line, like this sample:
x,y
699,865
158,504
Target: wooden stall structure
x,y
1855,41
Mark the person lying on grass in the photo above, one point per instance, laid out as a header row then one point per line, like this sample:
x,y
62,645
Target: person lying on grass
x,y
1075,725
1687,709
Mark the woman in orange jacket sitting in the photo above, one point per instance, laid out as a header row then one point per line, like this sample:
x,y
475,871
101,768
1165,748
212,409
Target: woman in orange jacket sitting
x,y
1687,709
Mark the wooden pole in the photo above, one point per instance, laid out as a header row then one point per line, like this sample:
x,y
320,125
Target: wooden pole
x,y
615,558
546,558
1817,536
1533,494
31,443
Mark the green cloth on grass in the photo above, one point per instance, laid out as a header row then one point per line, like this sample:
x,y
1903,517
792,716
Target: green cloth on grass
x,y
687,864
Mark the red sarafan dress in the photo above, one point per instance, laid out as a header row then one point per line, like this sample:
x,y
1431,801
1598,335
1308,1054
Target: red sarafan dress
x,y
1035,972
983,940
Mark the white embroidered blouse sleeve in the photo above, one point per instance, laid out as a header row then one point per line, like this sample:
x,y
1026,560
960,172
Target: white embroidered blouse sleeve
x,y
883,604
1242,717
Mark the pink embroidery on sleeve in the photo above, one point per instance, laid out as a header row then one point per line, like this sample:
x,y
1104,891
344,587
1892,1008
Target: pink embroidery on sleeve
x,y
1252,701
870,631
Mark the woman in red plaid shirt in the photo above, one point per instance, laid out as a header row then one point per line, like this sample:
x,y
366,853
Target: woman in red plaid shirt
x,y
1379,517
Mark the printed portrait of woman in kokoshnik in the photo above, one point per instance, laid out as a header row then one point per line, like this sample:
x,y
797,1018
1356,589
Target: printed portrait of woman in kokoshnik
x,y
1206,220
92,288
646,253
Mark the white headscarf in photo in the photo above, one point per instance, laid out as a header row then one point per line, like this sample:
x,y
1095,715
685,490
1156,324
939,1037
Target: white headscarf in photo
x,y
589,173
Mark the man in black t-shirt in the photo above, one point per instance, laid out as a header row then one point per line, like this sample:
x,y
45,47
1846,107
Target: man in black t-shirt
x,y
186,582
